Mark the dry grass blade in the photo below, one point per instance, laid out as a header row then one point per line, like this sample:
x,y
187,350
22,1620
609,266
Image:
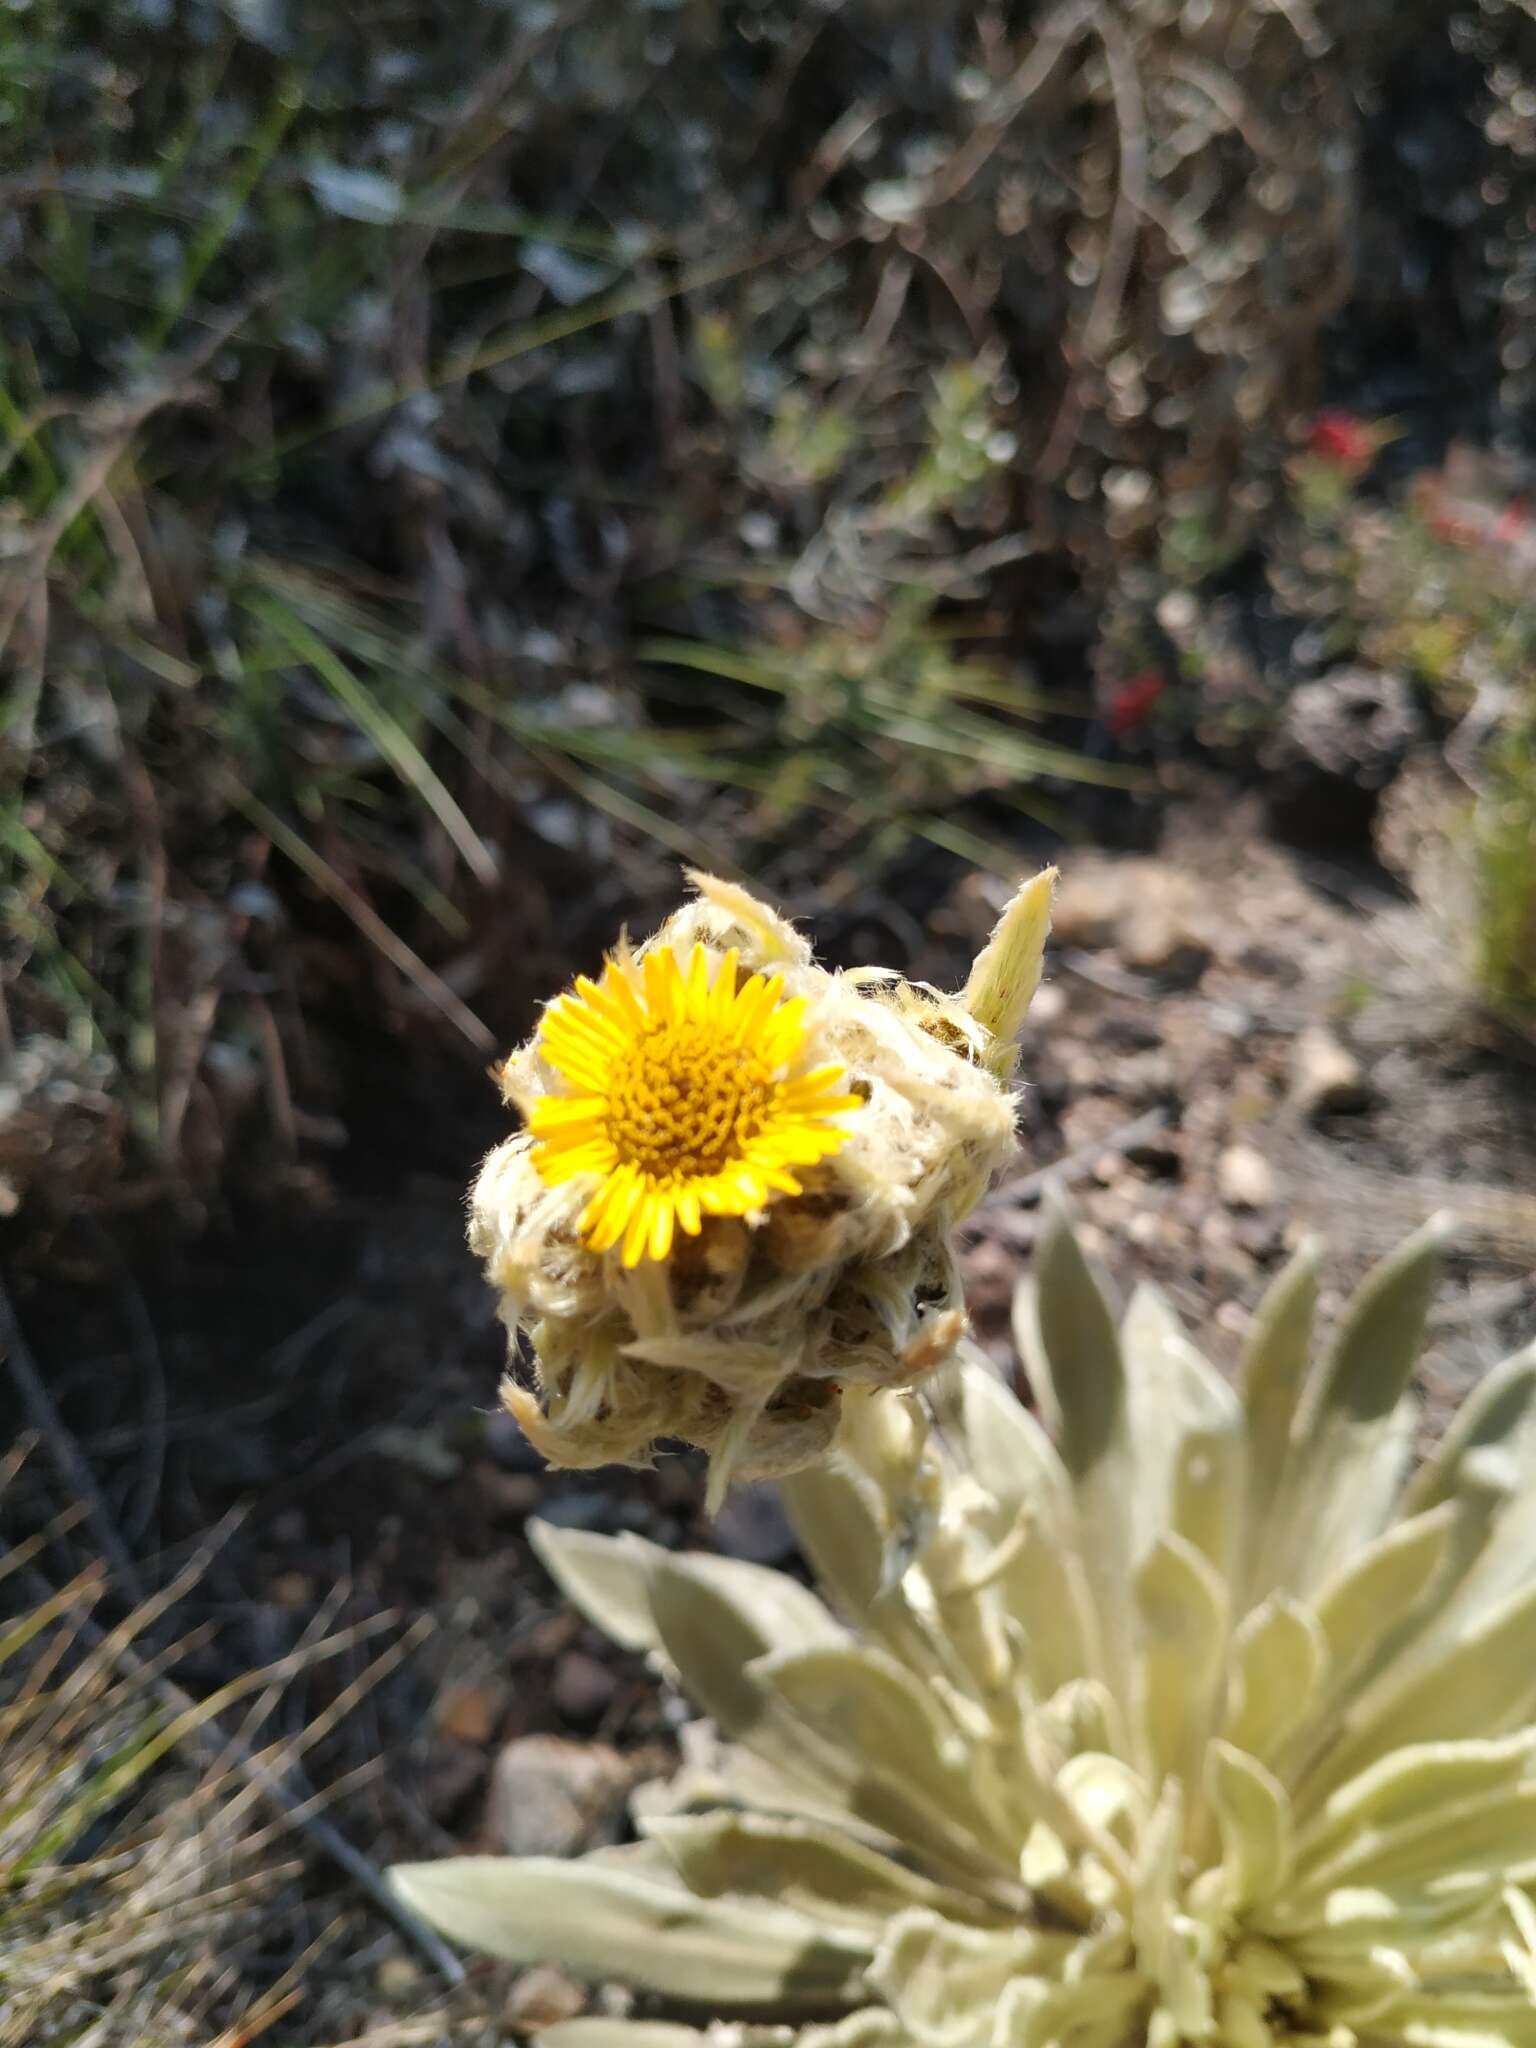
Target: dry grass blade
x,y
432,986
386,733
135,1883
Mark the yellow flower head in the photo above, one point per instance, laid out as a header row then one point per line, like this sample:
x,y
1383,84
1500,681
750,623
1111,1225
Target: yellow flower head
x,y
733,1197
688,1094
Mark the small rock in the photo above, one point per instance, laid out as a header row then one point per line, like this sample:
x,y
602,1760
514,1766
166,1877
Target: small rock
x,y
1232,1317
1326,1078
1342,740
1159,941
1354,723
1270,964
542,1997
550,1797
1245,1178
1159,1154
469,1713
1260,1238
582,1687
1110,1167
1216,1232
1049,1005
1131,1033
397,1976
1145,1078
1087,909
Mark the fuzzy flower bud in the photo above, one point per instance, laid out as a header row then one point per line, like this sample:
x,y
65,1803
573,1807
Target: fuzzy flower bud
x,y
737,1183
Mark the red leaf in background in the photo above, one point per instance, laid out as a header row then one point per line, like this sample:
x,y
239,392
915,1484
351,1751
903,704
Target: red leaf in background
x,y
1130,701
1342,438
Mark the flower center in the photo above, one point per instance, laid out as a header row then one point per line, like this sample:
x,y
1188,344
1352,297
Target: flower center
x,y
681,1105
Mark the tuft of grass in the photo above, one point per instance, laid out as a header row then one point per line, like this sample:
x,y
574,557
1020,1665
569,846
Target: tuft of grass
x,y
143,1884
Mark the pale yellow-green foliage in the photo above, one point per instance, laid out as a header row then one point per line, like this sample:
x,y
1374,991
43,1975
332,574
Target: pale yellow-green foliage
x,y
1181,1714
742,1339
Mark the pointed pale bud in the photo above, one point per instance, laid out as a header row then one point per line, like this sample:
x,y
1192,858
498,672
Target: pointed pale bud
x,y
1007,971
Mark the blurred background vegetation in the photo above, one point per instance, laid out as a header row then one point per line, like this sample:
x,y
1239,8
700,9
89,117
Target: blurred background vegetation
x,y
449,452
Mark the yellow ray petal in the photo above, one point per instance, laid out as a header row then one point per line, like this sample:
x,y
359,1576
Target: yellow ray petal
x,y
722,990
696,994
560,1112
639,1230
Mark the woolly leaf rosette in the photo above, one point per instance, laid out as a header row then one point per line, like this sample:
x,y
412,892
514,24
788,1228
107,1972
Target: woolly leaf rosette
x,y
1188,1715
734,1194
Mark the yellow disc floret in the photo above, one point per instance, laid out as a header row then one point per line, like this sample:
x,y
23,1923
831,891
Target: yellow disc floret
x,y
688,1096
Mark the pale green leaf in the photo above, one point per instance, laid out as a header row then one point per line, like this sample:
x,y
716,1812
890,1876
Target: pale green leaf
x,y
1010,1456
1070,1348
897,1764
595,2031
1099,2011
1380,1338
1155,1884
1182,1606
1352,1433
1426,1850
1497,1413
1340,1495
1166,1940
715,1774
870,2027
943,1981
715,1615
1254,1818
1187,1426
785,1613
1495,1561
806,1866
1364,1609
1273,1373
1456,2020
834,1512
1482,1684
605,1577
1278,1661
1415,1780
600,1923
1046,1589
